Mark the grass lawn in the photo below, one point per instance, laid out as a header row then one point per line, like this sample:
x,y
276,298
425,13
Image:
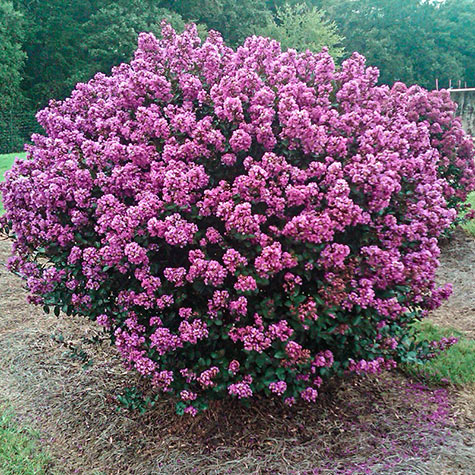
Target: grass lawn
x,y
6,162
470,226
455,365
19,453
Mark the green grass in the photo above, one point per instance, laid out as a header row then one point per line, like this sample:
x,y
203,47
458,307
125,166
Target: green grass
x,y
470,226
6,162
19,452
456,365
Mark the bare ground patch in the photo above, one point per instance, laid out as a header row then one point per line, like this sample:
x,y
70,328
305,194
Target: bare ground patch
x,y
458,267
363,425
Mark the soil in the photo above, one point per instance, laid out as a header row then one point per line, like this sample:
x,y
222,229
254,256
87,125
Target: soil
x,y
457,265
59,382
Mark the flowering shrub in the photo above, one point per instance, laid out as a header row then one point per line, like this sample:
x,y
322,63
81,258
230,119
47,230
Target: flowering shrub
x,y
241,222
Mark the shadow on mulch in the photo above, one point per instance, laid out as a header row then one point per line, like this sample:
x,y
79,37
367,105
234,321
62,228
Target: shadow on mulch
x,y
57,381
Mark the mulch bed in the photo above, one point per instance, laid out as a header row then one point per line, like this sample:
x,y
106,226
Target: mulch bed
x,y
65,386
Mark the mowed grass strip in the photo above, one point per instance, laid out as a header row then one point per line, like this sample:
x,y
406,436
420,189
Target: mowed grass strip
x,y
19,452
470,226
6,162
456,365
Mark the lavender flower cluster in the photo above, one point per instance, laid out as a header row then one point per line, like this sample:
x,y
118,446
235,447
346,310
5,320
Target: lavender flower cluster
x,y
241,222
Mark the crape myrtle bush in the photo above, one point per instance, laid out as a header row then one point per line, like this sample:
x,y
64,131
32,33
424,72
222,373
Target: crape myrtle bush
x,y
242,222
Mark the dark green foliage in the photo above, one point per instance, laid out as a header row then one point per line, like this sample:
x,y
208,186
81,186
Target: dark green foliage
x,y
52,45
110,35
132,399
235,19
410,40
12,58
455,27
12,61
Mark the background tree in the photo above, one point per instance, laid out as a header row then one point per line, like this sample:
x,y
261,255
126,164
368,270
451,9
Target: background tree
x,y
12,61
273,5
300,27
408,40
52,45
455,29
12,56
110,34
234,19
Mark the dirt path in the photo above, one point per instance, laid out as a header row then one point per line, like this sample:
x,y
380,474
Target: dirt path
x,y
390,425
458,267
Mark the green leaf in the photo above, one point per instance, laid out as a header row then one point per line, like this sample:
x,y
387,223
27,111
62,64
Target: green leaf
x,y
280,373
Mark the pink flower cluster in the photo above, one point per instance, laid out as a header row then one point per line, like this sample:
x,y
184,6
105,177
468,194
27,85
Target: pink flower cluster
x,y
240,221
241,390
372,367
278,387
438,346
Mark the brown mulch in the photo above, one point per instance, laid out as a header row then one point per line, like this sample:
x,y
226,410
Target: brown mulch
x,y
457,265
362,425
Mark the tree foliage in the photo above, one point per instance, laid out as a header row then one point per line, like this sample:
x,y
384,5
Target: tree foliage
x,y
455,28
110,34
234,19
409,40
300,27
52,44
12,56
12,61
